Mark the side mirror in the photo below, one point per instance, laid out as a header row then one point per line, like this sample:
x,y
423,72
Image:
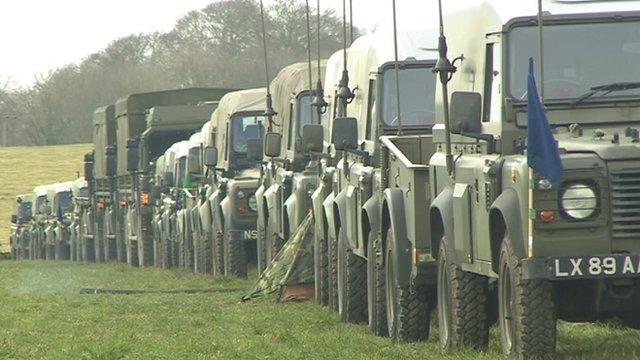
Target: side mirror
x,y
466,112
210,156
272,142
344,133
132,154
14,219
88,157
167,179
193,161
110,160
312,138
254,150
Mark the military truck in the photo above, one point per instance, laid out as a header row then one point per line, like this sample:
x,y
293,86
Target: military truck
x,y
166,208
183,193
21,216
41,210
158,190
509,245
99,242
142,136
232,154
352,210
81,220
289,176
57,235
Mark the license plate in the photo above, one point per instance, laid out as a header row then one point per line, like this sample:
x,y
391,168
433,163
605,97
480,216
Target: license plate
x,y
591,267
250,234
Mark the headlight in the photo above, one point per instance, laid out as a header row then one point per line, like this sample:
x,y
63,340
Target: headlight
x,y
579,201
253,204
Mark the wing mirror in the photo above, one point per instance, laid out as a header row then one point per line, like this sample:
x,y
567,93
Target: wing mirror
x,y
312,138
88,166
344,133
110,160
210,156
272,143
466,112
132,154
193,161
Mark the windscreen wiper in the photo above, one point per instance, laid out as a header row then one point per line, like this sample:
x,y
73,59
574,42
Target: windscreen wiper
x,y
607,88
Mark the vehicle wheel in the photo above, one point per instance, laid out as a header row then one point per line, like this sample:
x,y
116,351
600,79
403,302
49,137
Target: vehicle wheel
x,y
235,257
98,246
462,305
261,248
321,270
352,283
145,240
526,310
376,297
218,253
333,273
408,311
631,321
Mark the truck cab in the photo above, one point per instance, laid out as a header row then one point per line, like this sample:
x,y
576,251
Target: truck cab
x,y
21,216
238,126
543,250
58,232
290,177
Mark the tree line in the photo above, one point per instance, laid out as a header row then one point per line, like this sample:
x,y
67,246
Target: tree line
x,y
217,46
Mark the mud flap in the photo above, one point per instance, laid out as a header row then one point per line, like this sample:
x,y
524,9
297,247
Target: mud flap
x,y
401,247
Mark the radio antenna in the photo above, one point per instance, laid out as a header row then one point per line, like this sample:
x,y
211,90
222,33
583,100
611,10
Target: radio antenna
x,y
318,99
269,112
540,54
445,70
397,67
344,93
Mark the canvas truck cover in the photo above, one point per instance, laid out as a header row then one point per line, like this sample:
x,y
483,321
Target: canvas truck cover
x,y
290,82
131,112
252,100
78,184
179,115
104,134
292,268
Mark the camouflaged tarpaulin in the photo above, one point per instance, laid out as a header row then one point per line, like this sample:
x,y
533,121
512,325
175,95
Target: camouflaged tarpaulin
x,y
292,265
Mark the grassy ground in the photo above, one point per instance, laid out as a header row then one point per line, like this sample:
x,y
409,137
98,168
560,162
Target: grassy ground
x,y
24,168
44,316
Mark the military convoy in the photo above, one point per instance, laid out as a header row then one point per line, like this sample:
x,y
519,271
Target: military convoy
x,y
415,169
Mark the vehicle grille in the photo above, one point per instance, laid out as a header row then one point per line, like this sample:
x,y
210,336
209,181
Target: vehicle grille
x,y
625,203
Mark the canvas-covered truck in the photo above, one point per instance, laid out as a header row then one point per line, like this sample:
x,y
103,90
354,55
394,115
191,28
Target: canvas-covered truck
x,y
99,241
21,216
504,235
57,231
41,210
353,209
232,154
289,176
142,136
81,220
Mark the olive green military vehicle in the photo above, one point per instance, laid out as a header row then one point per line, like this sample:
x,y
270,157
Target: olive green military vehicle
x,y
158,191
81,221
290,175
21,216
147,124
232,154
41,210
352,210
57,232
508,244
99,242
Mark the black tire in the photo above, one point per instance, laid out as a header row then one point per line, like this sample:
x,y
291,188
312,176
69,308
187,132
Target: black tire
x,y
408,310
235,255
462,305
527,315
333,272
321,269
218,253
352,283
376,297
261,248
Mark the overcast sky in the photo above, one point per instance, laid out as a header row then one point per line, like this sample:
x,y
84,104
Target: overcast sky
x,y
40,35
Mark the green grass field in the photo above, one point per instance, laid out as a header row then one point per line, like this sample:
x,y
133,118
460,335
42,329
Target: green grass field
x,y
44,316
24,168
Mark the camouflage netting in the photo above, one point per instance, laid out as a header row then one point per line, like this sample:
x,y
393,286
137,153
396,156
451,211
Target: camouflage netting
x,y
292,266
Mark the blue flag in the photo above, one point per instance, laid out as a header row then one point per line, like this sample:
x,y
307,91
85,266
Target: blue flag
x,y
542,150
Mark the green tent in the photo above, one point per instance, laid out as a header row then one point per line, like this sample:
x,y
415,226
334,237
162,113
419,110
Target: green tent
x,y
291,271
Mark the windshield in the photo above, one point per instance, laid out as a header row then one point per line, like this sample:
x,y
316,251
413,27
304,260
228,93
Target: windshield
x,y
417,96
83,192
64,201
307,114
41,204
246,127
576,58
24,210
